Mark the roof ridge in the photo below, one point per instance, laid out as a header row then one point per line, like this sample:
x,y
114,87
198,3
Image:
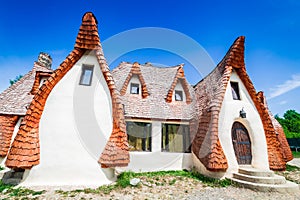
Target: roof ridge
x,y
179,76
16,84
25,77
135,70
88,36
234,58
235,55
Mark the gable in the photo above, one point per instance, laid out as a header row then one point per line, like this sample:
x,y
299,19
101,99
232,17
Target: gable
x,y
25,150
135,77
242,90
210,93
180,85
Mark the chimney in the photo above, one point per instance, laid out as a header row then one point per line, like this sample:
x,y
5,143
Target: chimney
x,y
45,60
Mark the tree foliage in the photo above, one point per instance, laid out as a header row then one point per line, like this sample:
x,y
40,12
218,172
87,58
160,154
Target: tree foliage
x,y
290,123
15,80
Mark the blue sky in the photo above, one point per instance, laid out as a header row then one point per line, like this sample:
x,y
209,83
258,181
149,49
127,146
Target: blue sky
x,y
271,27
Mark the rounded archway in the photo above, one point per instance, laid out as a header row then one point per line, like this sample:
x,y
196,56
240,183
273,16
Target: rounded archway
x,y
241,143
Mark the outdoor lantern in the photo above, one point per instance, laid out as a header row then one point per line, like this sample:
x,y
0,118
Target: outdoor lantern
x,y
242,113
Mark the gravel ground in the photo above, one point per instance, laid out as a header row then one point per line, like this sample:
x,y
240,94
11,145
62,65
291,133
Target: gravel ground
x,y
162,188
166,187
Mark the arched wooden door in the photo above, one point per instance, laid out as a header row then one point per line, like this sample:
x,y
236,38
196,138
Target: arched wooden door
x,y
241,144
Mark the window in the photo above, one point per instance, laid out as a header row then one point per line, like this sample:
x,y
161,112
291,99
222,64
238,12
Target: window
x,y
178,95
235,90
43,79
86,75
176,138
139,136
134,88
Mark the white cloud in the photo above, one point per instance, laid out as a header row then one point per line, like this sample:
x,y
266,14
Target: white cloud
x,y
286,86
282,102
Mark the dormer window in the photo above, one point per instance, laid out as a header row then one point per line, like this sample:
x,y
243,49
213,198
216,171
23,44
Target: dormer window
x,y
178,95
235,91
134,88
43,79
86,75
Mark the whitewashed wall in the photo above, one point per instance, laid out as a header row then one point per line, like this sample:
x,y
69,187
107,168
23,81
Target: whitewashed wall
x,y
74,128
229,114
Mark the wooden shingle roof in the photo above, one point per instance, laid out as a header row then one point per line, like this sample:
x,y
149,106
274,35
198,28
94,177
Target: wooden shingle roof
x,y
135,70
179,77
25,150
159,82
284,145
7,125
15,99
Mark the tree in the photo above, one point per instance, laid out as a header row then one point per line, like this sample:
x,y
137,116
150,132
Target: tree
x,y
15,80
290,123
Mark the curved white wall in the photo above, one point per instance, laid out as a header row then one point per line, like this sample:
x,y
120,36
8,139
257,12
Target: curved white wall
x,y
229,114
74,128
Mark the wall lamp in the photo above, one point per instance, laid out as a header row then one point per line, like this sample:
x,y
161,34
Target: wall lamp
x,y
242,113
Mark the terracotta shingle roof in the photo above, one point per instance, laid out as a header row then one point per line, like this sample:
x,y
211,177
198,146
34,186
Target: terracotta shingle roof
x,y
209,96
116,151
135,70
25,150
158,82
88,37
276,160
36,84
283,145
7,125
179,77
17,97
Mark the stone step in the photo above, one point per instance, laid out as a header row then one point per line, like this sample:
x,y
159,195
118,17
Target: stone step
x,y
282,188
12,181
275,179
248,170
4,171
11,177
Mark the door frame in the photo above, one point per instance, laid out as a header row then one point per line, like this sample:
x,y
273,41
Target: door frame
x,y
241,143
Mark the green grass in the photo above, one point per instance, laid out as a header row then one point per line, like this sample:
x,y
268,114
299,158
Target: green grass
x,y
296,154
1,168
12,191
291,168
157,178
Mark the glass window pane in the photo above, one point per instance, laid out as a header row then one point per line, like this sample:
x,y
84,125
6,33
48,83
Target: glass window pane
x,y
86,75
134,88
235,90
175,138
139,136
178,95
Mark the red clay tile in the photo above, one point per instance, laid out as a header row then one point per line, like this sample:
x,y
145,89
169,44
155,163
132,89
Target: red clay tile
x,y
135,70
7,125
